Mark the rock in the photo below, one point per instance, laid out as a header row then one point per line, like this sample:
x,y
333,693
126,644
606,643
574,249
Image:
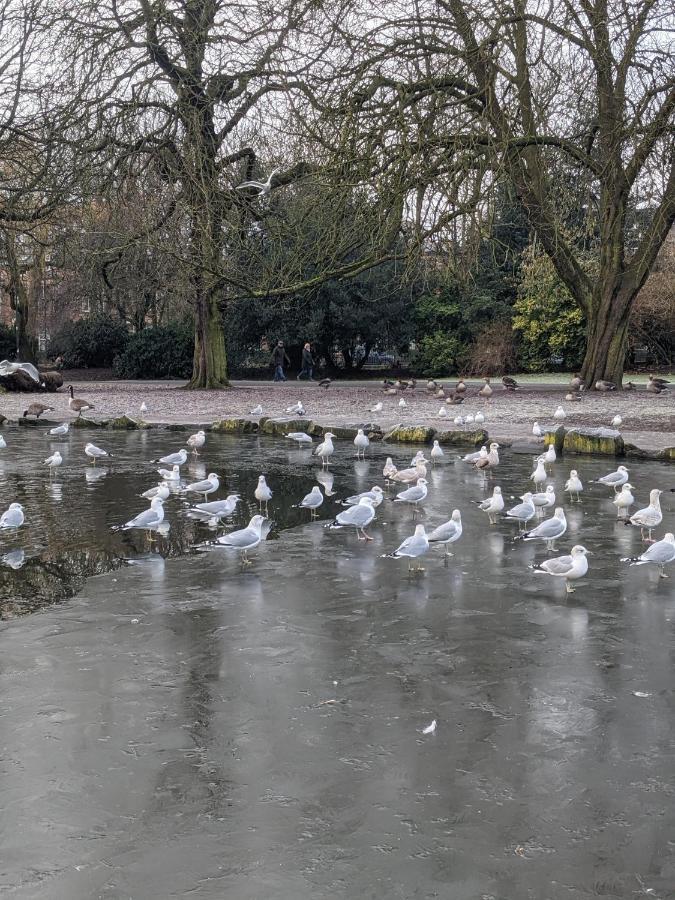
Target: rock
x,y
41,423
639,453
555,434
410,434
125,423
284,426
3,419
346,432
596,441
175,426
53,381
669,454
462,438
234,426
81,422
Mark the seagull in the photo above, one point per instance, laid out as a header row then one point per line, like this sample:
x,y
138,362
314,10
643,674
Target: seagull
x,y
377,408
94,452
262,493
490,460
650,516
448,532
544,499
492,505
468,420
615,479
479,418
660,553
3,443
623,500
389,469
325,449
419,457
12,517
539,475
407,476
560,415
616,422
172,474
524,511
160,490
442,413
257,410
536,430
549,530
60,430
149,518
195,442
9,368
208,486
430,729
413,495
78,405
436,453
54,461
458,420
359,516
375,495
245,539
298,409
402,403
311,501
486,391
568,567
361,442
299,437
412,548
471,458
173,459
143,407
573,485
215,509
550,455
261,188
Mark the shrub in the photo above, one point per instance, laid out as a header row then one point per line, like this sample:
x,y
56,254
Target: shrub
x,y
90,342
7,342
439,354
162,352
494,351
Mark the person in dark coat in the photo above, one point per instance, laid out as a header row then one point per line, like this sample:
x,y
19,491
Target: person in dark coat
x,y
307,363
279,358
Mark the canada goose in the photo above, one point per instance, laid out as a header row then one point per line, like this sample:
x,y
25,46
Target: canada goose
x,y
629,386
605,385
78,405
486,390
461,387
510,383
657,385
575,383
37,409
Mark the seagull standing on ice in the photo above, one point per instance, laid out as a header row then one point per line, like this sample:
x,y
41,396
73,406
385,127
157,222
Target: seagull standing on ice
x,y
54,461
361,442
492,505
196,442
570,567
325,449
94,452
262,493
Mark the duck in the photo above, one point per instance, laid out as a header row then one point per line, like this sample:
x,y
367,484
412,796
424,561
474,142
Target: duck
x,y
575,383
461,387
486,391
510,383
76,404
37,410
657,385
603,385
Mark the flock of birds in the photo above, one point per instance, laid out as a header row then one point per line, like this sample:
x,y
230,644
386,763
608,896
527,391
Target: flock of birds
x,y
360,509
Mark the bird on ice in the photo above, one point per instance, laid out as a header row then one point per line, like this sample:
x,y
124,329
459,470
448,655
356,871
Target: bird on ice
x,y
430,729
94,452
492,505
490,460
471,458
12,517
299,437
311,501
544,499
173,459
160,490
172,474
623,500
448,532
325,449
550,455
262,493
412,548
549,530
413,495
377,408
196,441
208,486
375,495
215,509
60,430
650,516
659,554
244,539
573,485
560,415
54,461
408,476
524,511
436,453
571,567
539,476
257,410
359,517
389,469
149,518
615,479
361,442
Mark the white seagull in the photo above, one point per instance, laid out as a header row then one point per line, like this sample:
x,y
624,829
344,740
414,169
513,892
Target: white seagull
x,y
311,501
12,517
375,495
412,548
257,410
560,415
573,485
448,532
149,518
377,408
660,554
172,474
196,442
208,486
413,495
60,430
623,500
261,188
299,437
54,461
650,516
492,505
160,490
216,509
570,567
325,449
94,452
245,539
549,530
539,476
359,516
436,453
262,493
615,479
173,459
524,511
361,442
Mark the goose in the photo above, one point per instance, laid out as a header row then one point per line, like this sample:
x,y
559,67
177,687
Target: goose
x,y
261,188
456,399
661,382
448,532
571,567
77,405
657,385
311,501
660,553
412,548
603,385
486,391
572,398
36,409
461,387
325,383
94,452
575,383
510,383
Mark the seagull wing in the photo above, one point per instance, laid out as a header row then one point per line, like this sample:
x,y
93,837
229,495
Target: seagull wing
x,y
560,565
444,532
240,540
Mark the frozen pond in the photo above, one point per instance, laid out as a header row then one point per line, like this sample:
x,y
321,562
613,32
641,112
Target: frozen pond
x,y
181,728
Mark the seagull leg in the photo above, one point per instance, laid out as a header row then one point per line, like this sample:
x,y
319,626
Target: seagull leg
x,y
568,588
366,536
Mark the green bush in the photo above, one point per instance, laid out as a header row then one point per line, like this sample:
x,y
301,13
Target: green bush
x,y
439,355
88,343
7,342
162,352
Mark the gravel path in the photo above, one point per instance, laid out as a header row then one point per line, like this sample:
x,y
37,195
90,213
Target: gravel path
x,y
648,420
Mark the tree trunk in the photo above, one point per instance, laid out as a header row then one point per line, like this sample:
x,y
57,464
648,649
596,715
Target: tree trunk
x,y
607,338
209,368
20,303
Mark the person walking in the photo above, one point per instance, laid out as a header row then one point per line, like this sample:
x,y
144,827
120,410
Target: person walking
x,y
307,363
279,357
